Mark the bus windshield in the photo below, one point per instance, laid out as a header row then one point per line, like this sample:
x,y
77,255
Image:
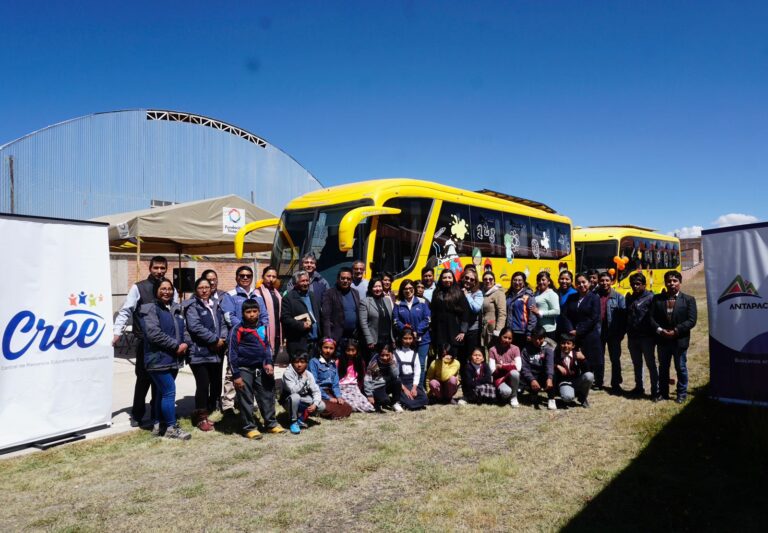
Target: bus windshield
x,y
596,255
317,231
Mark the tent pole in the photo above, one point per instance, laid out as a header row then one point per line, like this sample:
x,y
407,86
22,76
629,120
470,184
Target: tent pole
x,y
181,278
138,258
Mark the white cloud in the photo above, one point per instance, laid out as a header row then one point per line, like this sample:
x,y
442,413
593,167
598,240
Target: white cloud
x,y
734,219
687,232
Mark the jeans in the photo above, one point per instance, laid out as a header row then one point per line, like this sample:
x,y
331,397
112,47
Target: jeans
x,y
260,386
509,387
669,352
641,349
614,353
165,400
576,387
422,353
296,405
143,385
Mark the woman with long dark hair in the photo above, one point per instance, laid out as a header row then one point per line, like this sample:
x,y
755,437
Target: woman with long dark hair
x,y
412,312
208,332
581,319
474,295
494,309
520,316
449,312
547,306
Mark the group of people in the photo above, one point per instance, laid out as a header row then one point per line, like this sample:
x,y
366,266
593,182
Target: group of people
x,y
359,346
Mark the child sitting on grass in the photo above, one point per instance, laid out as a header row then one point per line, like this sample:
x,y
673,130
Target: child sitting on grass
x,y
412,396
478,379
506,363
351,369
382,379
323,369
539,368
301,395
573,380
250,359
443,377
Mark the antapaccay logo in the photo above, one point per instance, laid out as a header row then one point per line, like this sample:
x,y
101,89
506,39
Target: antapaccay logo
x,y
78,327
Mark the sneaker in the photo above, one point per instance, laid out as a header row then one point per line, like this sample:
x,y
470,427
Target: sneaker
x,y
156,431
513,402
398,408
680,399
552,405
276,429
253,434
585,403
175,432
295,429
462,401
302,424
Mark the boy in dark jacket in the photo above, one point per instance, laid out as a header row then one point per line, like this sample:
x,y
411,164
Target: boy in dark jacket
x,y
539,367
250,359
573,379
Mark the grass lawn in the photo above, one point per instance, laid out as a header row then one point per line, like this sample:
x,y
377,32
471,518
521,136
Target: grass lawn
x,y
624,464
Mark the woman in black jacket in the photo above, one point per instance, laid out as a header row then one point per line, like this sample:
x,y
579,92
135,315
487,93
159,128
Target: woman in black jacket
x,y
450,313
582,320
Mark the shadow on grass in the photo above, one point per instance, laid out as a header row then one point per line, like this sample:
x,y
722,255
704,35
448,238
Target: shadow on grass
x,y
704,470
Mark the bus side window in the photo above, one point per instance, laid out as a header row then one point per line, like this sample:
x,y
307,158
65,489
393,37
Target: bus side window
x,y
516,239
487,236
562,240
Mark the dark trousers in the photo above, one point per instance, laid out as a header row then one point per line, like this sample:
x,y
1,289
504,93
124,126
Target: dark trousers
x,y
471,341
207,385
613,347
260,386
669,352
143,385
387,395
541,379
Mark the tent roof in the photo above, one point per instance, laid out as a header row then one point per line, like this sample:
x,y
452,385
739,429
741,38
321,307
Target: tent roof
x,y
195,228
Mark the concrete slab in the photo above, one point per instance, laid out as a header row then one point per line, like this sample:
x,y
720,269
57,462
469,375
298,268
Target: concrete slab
x,y
123,381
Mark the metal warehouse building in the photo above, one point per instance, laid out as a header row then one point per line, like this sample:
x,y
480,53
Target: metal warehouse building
x,y
129,160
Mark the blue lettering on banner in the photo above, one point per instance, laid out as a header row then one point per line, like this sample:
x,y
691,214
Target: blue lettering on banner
x,y
81,329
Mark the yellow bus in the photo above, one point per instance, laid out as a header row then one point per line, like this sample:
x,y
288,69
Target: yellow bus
x,y
402,225
645,251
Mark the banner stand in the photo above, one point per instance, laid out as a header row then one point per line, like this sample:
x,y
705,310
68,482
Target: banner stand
x,y
56,355
736,269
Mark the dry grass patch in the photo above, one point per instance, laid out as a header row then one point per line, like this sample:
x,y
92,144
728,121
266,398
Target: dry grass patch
x,y
446,468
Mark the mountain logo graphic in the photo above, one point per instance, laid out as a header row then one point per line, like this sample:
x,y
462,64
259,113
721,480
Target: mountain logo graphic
x,y
738,287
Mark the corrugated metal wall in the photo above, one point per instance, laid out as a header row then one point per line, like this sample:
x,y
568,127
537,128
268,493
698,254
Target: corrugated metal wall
x,y
113,162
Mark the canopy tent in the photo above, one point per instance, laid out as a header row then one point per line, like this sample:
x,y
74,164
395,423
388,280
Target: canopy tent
x,y
203,227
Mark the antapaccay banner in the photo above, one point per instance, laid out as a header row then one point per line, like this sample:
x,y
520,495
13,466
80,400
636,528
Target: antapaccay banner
x,y
56,323
736,266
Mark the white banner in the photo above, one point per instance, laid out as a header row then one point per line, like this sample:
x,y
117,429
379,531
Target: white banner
x,y
232,220
736,267
56,324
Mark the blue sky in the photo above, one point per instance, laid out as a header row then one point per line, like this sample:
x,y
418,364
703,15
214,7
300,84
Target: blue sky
x,y
648,113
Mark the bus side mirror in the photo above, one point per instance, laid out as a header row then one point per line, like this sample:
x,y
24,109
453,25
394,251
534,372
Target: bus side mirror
x,y
353,218
248,228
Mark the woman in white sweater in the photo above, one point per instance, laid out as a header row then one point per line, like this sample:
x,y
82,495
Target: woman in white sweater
x,y
547,306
